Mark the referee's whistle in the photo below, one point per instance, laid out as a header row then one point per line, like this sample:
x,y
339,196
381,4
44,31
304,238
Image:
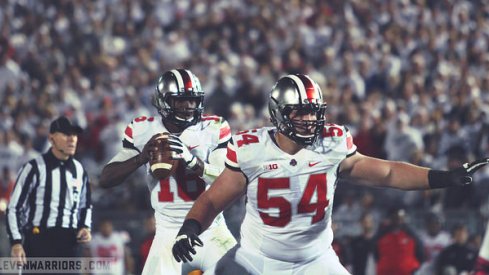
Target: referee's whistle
x,y
36,230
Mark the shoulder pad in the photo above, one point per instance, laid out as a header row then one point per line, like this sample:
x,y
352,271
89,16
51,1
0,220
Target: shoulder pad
x,y
211,117
137,123
338,137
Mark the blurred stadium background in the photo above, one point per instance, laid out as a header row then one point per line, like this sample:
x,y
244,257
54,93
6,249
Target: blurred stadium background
x,y
408,77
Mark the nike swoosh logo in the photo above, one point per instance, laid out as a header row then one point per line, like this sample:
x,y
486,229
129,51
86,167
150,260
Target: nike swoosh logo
x,y
311,164
190,148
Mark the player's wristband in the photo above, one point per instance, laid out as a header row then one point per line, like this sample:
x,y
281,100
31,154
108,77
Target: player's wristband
x,y
212,170
192,164
440,179
190,226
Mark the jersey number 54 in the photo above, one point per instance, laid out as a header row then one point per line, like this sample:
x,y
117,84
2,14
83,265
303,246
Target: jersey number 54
x,y
316,183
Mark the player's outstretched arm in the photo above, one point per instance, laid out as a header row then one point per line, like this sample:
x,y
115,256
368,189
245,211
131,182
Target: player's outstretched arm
x,y
125,163
401,175
229,186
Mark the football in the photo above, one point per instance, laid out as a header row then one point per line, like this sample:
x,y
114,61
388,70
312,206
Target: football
x,y
161,164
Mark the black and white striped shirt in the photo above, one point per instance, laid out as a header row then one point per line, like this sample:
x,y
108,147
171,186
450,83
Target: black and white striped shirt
x,y
49,193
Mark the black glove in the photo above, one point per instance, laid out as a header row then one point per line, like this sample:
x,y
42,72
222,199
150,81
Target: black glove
x,y
457,177
186,239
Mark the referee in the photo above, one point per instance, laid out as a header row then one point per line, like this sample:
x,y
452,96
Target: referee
x,y
50,207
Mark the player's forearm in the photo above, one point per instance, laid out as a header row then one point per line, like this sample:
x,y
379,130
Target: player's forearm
x,y
203,211
382,173
402,175
115,173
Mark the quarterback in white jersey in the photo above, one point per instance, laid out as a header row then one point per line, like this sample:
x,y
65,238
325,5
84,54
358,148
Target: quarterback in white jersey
x,y
199,143
288,174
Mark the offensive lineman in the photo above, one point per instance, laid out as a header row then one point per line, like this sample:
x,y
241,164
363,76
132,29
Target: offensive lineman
x,y
290,186
199,143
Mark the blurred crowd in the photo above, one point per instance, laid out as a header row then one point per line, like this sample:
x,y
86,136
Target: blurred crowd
x,y
408,77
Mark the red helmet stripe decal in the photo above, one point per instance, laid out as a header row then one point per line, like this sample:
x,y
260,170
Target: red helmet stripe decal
x,y
309,87
187,80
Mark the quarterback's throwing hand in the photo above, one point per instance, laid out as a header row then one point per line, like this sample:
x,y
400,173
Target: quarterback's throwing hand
x,y
148,148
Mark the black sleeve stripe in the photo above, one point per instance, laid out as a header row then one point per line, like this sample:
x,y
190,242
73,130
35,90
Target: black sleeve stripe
x,y
237,170
347,156
351,154
25,189
88,197
87,201
129,145
47,198
24,194
9,232
20,172
222,145
233,168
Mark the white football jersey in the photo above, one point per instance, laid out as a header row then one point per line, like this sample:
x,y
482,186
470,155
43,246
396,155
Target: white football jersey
x,y
110,247
289,197
172,198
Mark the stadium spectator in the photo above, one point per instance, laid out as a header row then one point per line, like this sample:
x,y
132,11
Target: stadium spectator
x,y
434,240
362,246
107,243
398,250
457,258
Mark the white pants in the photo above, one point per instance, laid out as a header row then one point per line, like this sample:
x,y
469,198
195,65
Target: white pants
x,y
241,261
217,241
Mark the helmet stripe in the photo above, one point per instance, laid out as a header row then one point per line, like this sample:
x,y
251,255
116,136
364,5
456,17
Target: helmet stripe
x,y
300,86
187,80
178,77
310,87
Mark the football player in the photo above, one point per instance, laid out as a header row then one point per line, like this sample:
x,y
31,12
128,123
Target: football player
x,y
112,244
288,174
199,143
